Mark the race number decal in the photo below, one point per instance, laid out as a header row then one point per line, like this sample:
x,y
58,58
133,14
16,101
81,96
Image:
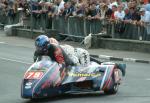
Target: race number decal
x,y
33,75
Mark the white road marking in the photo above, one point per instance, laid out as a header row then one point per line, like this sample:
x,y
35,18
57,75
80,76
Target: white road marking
x,y
104,56
2,42
17,45
148,79
18,61
129,59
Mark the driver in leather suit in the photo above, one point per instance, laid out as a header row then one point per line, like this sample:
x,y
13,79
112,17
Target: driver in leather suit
x,y
56,53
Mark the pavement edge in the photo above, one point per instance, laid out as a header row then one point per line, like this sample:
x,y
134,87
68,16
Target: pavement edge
x,y
112,58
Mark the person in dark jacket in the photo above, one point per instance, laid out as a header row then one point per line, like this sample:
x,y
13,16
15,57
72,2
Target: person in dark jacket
x,y
55,52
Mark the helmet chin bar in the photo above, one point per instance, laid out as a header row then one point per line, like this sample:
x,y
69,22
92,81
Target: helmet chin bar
x,y
45,51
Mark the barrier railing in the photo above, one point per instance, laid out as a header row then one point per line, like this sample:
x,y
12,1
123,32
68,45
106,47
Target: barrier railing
x,y
77,27
80,27
123,30
3,17
7,19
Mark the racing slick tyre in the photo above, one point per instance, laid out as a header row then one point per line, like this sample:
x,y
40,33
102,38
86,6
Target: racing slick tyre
x,y
113,88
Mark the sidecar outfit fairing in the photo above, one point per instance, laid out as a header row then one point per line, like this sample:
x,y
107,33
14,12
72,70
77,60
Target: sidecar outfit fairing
x,y
46,78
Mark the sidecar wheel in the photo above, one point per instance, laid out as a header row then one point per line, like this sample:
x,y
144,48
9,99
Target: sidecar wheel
x,y
113,89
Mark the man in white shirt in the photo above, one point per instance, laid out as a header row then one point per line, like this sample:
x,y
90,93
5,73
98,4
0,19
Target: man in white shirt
x,y
145,18
61,5
113,2
119,14
147,6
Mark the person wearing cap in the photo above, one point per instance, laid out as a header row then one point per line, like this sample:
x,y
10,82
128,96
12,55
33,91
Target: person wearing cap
x,y
131,15
145,21
145,15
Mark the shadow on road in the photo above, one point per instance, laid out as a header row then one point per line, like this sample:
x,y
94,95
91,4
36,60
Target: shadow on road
x,y
66,96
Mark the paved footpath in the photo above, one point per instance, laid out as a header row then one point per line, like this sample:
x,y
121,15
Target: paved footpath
x,y
98,53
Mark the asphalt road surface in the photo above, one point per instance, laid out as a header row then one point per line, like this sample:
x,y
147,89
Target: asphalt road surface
x,y
14,61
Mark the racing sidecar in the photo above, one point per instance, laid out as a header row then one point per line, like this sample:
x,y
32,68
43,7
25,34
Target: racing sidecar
x,y
46,78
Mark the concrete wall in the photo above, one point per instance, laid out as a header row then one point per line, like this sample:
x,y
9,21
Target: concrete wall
x,y
97,42
27,33
121,44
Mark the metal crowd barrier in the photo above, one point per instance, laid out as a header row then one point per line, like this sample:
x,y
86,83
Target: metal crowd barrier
x,y
3,17
76,27
131,31
79,27
8,20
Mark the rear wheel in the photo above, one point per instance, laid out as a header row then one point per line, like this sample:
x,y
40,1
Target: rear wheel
x,y
113,88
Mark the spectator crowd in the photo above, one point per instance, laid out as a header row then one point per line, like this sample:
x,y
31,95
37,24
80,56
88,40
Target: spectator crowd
x,y
91,9
129,11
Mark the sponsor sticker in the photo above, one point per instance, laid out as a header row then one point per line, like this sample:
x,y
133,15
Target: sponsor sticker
x,y
27,87
84,74
28,84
